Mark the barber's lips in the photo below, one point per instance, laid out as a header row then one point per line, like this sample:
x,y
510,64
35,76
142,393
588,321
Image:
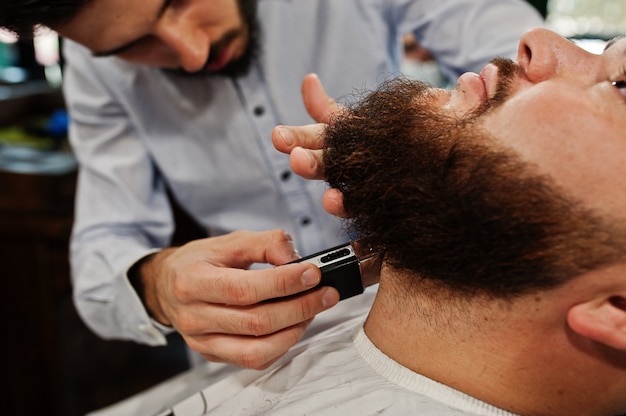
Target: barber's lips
x,y
220,61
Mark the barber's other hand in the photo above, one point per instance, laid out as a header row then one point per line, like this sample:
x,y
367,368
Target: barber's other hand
x,y
304,143
229,314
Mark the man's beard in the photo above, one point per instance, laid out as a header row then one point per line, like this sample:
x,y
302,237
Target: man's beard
x,y
447,202
240,66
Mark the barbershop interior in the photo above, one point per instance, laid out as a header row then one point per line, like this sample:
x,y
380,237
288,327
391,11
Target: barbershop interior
x,y
55,364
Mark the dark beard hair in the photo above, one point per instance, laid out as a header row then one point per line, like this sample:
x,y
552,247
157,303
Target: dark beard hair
x,y
447,203
241,66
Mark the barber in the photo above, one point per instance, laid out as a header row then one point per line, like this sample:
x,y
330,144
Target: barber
x,y
181,98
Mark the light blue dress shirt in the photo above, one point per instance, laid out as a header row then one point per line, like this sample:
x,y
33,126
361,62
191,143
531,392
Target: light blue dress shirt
x,y
136,130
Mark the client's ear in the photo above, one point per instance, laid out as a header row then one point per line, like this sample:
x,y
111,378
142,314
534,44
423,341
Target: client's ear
x,y
601,319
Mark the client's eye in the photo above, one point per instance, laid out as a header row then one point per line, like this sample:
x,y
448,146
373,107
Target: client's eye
x,y
620,85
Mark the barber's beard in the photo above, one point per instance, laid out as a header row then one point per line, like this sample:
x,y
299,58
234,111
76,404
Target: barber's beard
x,y
251,29
241,66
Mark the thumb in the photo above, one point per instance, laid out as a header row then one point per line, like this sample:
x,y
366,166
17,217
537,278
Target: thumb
x,y
318,104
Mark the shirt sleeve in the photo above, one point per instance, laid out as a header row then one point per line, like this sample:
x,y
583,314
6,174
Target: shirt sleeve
x,y
122,211
464,35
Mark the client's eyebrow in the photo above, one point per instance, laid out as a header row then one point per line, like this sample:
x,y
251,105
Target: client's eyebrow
x,y
128,45
613,42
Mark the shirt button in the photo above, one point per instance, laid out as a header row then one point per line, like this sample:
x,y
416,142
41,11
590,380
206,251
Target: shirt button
x,y
285,175
305,221
259,110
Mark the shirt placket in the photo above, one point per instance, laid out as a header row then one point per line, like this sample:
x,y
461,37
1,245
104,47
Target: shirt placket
x,y
291,187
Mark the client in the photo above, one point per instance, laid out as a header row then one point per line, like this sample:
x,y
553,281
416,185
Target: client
x,y
500,211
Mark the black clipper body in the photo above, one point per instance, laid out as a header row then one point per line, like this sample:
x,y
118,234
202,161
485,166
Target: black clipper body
x,y
347,268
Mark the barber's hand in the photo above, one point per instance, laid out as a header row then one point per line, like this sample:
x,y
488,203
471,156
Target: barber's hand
x,y
229,314
304,143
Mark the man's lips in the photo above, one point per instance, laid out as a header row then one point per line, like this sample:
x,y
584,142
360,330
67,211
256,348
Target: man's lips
x,y
473,86
489,75
481,87
220,61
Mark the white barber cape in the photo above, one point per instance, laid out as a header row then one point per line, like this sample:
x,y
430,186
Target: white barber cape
x,y
337,371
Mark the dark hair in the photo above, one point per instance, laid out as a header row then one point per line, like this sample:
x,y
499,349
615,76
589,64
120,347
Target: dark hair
x,y
22,17
449,205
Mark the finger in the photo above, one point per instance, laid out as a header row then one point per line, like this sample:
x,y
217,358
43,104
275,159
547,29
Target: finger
x,y
249,352
240,249
256,286
269,317
286,138
258,320
332,201
307,163
238,287
318,104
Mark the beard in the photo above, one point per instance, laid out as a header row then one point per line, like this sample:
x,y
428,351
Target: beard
x,y
241,66
446,202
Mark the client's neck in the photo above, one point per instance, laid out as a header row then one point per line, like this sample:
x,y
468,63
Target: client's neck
x,y
479,347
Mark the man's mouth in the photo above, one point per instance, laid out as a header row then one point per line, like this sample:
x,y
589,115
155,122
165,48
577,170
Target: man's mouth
x,y
219,59
222,52
489,76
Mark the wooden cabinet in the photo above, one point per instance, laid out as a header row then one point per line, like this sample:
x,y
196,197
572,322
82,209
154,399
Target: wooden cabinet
x,y
35,223
54,364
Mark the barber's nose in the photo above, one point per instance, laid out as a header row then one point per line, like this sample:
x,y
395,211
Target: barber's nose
x,y
543,54
189,43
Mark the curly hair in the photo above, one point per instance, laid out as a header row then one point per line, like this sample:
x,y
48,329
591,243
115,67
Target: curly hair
x,y
448,204
22,17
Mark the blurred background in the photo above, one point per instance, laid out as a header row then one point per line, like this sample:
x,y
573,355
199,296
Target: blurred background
x,y
55,365
588,23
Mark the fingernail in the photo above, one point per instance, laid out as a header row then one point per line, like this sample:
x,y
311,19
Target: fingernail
x,y
310,278
286,135
312,161
295,255
331,297
307,154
